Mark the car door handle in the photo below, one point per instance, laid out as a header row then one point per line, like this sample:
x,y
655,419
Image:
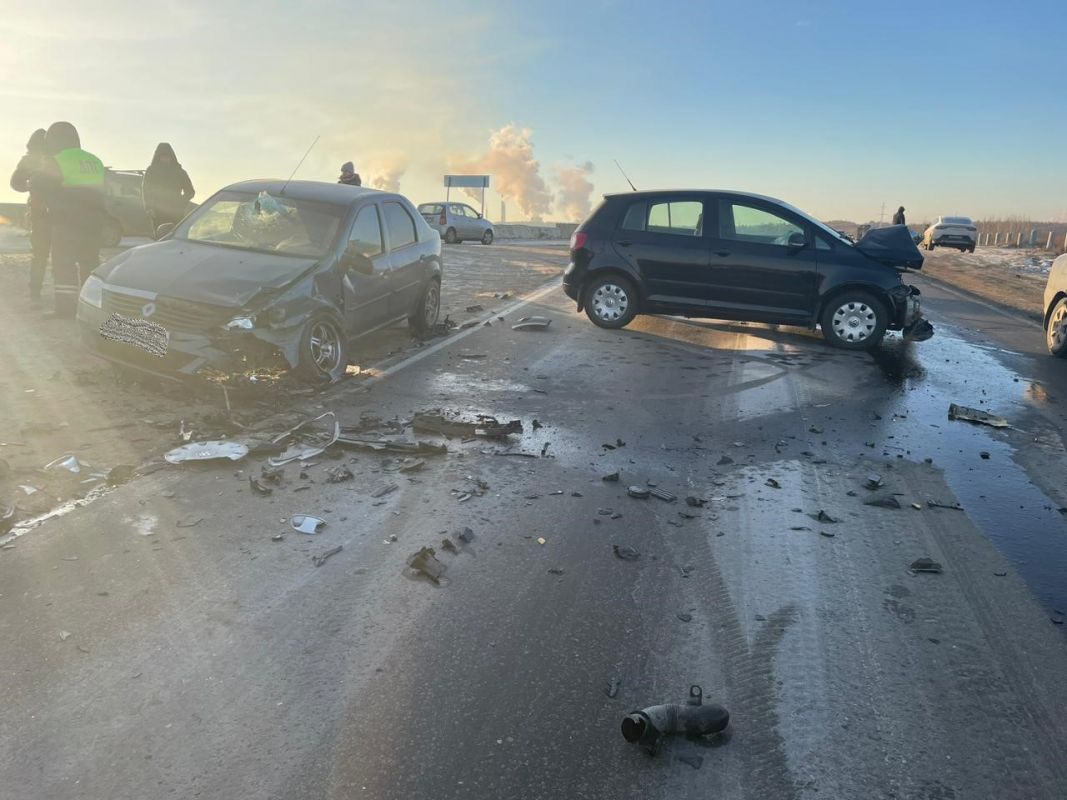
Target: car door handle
x,y
722,253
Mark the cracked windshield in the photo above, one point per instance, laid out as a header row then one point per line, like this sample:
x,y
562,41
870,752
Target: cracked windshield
x,y
533,400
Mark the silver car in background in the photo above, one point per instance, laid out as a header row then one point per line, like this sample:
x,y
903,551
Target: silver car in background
x,y
457,222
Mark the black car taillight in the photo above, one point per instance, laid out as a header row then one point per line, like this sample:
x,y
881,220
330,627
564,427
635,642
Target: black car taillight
x,y
578,240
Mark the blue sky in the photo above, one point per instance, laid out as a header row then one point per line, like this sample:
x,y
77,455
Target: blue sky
x,y
835,106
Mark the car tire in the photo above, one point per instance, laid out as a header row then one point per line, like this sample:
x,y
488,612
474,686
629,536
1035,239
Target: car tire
x,y
610,301
450,236
111,233
487,237
323,354
424,317
1056,329
854,320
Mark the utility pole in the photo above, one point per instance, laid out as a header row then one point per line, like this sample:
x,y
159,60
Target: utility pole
x,y
881,216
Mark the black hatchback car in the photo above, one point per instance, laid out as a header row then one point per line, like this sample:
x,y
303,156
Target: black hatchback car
x,y
738,256
265,273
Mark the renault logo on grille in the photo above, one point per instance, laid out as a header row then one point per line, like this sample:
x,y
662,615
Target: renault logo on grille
x,y
148,309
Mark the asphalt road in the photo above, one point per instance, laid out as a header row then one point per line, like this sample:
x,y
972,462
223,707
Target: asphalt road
x,y
142,659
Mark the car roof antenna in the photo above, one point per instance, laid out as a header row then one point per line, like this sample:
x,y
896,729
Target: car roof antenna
x,y
282,192
624,174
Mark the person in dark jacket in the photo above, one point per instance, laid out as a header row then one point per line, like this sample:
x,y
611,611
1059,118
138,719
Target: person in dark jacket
x,y
349,175
898,218
71,182
30,165
166,190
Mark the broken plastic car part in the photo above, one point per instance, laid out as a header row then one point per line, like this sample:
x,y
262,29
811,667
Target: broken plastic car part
x,y
648,726
305,523
207,451
308,444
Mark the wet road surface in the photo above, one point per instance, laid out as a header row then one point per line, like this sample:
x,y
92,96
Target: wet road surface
x,y
144,659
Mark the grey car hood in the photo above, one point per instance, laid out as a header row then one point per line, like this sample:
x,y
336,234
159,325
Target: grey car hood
x,y
202,273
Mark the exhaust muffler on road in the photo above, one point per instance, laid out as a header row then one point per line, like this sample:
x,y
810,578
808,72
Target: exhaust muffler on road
x,y
649,725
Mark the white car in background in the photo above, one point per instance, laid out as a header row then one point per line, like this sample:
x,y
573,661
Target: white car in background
x,y
958,232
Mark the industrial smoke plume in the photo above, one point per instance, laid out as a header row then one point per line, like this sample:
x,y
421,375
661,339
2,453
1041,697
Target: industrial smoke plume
x,y
575,191
385,174
516,174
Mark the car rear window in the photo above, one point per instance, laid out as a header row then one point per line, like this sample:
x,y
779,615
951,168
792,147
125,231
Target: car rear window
x,y
956,220
430,208
400,225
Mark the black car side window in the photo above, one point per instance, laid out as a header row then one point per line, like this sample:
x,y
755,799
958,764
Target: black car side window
x,y
744,223
367,232
676,217
400,225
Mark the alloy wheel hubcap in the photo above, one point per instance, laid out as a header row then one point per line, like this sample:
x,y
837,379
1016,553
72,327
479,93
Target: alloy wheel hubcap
x,y
1056,325
610,302
325,344
432,303
854,322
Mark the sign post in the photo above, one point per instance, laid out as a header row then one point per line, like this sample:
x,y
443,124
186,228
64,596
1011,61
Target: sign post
x,y
466,182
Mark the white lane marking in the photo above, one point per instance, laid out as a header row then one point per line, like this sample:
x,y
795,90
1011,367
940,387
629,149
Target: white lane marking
x,y
1012,315
537,294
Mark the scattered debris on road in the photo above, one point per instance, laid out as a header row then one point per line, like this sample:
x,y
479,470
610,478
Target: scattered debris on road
x,y
874,481
648,726
383,490
306,440
976,415
466,536
319,560
883,502
822,516
69,462
532,324
258,487
695,502
612,688
662,495
640,492
338,474
189,522
925,565
935,504
773,483
207,451
684,617
611,478
486,426
425,562
305,523
625,553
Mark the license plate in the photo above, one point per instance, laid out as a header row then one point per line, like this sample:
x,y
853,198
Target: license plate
x,y
140,333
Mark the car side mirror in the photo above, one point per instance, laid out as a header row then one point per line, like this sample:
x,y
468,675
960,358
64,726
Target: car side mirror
x,y
164,229
356,261
797,241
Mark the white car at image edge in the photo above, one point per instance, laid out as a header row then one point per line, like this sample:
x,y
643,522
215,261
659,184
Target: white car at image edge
x,y
958,232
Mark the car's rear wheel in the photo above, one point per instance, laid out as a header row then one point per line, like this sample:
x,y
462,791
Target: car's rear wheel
x,y
323,350
487,237
611,302
854,320
450,236
111,233
425,315
1056,329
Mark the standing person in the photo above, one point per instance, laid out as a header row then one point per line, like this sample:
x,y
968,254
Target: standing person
x,y
36,213
166,189
898,218
72,184
349,175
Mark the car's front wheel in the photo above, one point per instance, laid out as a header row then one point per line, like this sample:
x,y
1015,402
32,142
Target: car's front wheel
x,y
1056,329
323,350
424,316
611,302
854,320
450,236
487,237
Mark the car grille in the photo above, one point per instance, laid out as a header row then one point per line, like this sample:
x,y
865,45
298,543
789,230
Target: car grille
x,y
172,314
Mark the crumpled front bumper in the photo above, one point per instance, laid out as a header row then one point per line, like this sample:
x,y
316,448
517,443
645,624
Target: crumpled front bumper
x,y
909,315
187,353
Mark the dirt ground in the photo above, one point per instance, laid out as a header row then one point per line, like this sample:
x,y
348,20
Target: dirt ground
x,y
1010,277
57,401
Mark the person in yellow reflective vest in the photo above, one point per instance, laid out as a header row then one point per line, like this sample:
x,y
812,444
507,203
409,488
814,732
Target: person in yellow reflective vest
x,y
72,182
